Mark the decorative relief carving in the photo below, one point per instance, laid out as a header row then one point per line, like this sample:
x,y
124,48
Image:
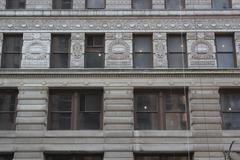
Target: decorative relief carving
x,y
118,50
160,54
77,49
201,49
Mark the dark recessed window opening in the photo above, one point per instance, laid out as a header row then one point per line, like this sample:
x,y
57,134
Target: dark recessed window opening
x,y
15,4
62,4
95,4
142,4
174,4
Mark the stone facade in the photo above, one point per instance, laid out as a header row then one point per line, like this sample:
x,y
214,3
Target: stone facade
x,y
118,140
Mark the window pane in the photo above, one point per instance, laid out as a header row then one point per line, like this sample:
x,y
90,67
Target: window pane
x,y
91,157
148,158
62,4
225,60
6,157
176,43
176,121
59,157
89,120
231,121
7,102
224,44
142,4
7,121
94,60
12,44
90,103
59,60
146,103
15,4
175,103
61,121
174,4
143,60
177,60
147,121
61,102
142,44
230,102
221,4
11,60
60,43
95,3
163,157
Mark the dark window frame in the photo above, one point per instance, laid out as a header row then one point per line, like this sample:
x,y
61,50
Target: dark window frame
x,y
183,6
4,52
6,155
7,7
150,53
132,6
222,92
163,155
86,6
183,52
234,54
230,6
75,106
53,7
14,92
161,106
60,53
73,156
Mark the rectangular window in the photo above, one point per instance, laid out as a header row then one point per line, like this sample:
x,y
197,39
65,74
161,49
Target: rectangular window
x,y
160,109
230,104
8,103
94,56
173,156
60,51
6,156
221,4
74,156
15,4
62,4
225,51
142,4
12,50
175,4
75,109
143,56
95,4
176,47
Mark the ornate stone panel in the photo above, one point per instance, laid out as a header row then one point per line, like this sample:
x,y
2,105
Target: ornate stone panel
x,y
77,50
39,4
201,51
198,4
78,4
236,4
1,43
237,45
158,4
36,50
118,4
2,4
160,50
118,49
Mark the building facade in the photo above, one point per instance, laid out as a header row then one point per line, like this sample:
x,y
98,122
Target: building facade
x,y
119,79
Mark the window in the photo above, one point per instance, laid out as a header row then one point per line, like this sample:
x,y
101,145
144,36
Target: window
x,y
62,4
12,49
173,156
160,109
175,4
75,109
225,51
60,49
176,46
95,4
221,4
94,57
74,157
142,4
230,104
15,4
143,56
6,156
8,103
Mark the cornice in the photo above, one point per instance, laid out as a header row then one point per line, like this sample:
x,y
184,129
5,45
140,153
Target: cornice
x,y
119,73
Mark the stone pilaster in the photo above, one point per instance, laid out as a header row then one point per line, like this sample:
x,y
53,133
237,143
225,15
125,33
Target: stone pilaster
x,y
2,4
77,50
206,123
32,108
237,45
39,4
79,4
36,50
235,4
201,50
160,50
198,4
118,123
118,50
118,4
158,4
1,45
